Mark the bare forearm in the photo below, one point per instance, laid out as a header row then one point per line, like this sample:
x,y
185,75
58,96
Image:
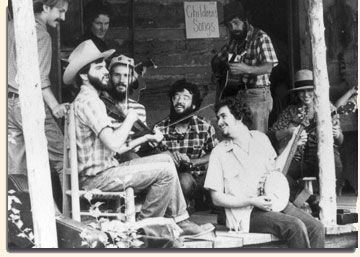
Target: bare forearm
x,y
230,201
201,161
49,98
132,144
265,68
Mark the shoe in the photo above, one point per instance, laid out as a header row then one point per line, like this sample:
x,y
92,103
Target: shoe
x,y
314,206
190,229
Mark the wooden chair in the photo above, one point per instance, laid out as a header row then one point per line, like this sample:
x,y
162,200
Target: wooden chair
x,y
71,192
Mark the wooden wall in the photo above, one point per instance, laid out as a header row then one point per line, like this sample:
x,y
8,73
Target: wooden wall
x,y
156,30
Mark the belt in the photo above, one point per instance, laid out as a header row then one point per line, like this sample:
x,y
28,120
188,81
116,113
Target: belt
x,y
245,87
13,95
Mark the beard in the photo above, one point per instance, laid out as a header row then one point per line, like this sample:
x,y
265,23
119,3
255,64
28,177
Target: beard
x,y
117,95
241,35
174,116
99,84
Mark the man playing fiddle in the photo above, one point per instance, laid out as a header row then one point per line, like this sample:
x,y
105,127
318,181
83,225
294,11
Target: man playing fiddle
x,y
99,137
190,140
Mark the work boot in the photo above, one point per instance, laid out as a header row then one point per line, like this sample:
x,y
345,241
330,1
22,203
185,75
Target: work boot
x,y
190,229
314,206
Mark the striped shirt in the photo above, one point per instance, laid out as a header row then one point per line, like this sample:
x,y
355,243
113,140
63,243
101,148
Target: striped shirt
x,y
44,54
198,140
259,50
139,108
90,119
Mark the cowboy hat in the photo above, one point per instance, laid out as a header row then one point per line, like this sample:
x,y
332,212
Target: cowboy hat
x,y
121,59
83,54
232,10
303,80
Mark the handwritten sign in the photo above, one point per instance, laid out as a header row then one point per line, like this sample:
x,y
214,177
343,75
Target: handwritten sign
x,y
201,20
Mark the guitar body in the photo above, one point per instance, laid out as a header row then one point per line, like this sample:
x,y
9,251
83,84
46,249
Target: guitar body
x,y
229,83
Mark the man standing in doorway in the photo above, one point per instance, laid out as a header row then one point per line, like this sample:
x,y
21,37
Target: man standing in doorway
x,y
248,60
47,13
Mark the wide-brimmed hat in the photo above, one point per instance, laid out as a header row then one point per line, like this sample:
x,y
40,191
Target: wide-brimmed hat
x,y
83,54
232,10
304,79
121,59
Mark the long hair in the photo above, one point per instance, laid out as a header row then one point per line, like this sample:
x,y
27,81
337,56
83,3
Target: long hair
x,y
38,5
240,110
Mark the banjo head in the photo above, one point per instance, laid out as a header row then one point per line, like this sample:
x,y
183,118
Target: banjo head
x,y
276,188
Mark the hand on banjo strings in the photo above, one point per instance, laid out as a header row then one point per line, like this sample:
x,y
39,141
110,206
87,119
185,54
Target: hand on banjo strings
x,y
262,202
303,138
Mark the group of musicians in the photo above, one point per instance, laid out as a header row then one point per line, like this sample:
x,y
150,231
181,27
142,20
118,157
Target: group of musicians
x,y
179,162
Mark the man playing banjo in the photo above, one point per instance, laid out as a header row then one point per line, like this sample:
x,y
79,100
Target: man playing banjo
x,y
236,172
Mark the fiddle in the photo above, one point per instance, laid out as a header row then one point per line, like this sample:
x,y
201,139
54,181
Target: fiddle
x,y
115,112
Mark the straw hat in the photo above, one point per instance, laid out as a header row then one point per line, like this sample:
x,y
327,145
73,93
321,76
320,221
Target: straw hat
x,y
304,79
83,54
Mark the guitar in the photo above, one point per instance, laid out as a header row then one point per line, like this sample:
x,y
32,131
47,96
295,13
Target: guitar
x,y
139,84
229,83
344,109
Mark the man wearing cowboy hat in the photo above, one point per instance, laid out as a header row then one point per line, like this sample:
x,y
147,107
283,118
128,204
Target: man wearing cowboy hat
x,y
99,137
47,13
305,161
251,75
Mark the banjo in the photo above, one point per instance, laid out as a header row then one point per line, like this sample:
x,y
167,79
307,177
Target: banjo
x,y
273,184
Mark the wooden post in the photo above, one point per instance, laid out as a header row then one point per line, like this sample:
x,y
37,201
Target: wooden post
x,y
33,117
324,128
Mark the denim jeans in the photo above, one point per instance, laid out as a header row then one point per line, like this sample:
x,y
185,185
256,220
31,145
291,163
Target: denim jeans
x,y
260,103
16,143
297,227
155,174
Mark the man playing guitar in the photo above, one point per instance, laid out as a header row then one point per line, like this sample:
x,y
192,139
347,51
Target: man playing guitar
x,y
243,66
236,167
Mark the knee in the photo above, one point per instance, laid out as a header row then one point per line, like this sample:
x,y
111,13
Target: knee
x,y
298,227
187,183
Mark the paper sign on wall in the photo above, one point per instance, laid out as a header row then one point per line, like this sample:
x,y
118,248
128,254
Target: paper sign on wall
x,y
201,20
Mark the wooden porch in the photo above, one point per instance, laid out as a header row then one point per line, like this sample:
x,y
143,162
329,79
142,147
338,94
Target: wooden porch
x,y
341,236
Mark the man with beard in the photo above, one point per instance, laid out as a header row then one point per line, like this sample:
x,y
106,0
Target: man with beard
x,y
248,60
99,137
189,141
122,75
237,165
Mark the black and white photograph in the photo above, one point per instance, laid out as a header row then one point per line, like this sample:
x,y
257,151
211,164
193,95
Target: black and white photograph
x,y
181,126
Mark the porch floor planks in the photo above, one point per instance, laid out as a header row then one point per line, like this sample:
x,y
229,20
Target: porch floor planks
x,y
340,236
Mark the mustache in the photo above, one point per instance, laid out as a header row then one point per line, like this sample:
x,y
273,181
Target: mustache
x,y
179,105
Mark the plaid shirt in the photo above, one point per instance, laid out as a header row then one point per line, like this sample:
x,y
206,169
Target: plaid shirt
x,y
291,117
44,54
259,50
90,119
198,140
